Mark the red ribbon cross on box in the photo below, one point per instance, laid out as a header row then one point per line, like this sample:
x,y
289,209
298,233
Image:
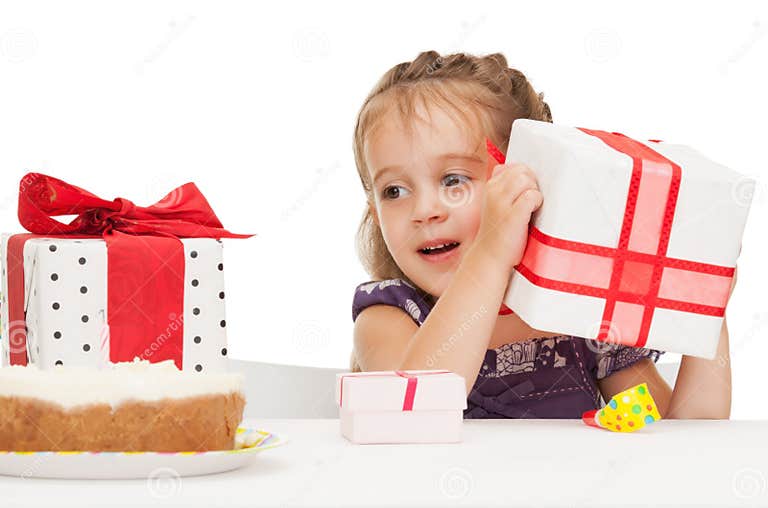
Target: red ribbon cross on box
x,y
636,276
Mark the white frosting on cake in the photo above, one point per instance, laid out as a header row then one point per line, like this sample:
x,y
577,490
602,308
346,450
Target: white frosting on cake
x,y
121,382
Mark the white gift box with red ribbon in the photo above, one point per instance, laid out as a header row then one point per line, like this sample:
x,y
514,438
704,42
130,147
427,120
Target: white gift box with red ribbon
x,y
64,306
412,406
634,244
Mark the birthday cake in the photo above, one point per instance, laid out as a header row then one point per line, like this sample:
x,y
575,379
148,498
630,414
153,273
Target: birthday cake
x,y
134,406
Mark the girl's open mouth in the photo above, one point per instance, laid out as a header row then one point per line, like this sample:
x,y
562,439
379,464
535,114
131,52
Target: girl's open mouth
x,y
439,253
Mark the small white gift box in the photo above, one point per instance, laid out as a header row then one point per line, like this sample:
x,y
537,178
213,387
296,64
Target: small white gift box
x,y
635,242
412,406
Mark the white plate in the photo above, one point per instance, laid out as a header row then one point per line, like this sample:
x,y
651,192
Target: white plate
x,y
148,465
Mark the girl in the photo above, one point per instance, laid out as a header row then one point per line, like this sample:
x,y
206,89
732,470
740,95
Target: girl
x,y
441,241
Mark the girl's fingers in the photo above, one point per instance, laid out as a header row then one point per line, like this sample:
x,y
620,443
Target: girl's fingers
x,y
513,189
505,171
528,202
496,171
514,184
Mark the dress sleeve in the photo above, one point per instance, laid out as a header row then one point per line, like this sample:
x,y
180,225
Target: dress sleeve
x,y
394,292
612,358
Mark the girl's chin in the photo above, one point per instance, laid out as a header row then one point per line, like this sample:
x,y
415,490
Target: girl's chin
x,y
437,282
437,289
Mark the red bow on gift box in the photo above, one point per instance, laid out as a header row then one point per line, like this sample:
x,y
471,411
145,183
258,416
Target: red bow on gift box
x,y
184,212
145,258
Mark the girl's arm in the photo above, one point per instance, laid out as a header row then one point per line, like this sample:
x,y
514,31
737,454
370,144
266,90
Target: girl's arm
x,y
455,334
702,388
643,371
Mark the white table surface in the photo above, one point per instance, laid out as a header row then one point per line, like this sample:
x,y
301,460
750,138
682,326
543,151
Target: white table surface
x,y
499,462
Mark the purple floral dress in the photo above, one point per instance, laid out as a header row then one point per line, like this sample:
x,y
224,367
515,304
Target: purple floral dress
x,y
553,377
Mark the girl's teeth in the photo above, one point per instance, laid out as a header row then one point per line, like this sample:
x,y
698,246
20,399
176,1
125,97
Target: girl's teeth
x,y
436,247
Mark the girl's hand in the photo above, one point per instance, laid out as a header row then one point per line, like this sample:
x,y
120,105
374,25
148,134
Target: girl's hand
x,y
511,196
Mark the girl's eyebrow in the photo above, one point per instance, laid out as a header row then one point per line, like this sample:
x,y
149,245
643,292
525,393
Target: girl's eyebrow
x,y
383,171
467,157
453,156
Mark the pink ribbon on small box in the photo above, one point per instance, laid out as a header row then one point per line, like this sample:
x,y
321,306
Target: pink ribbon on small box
x,y
410,388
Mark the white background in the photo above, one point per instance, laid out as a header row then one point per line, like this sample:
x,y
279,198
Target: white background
x,y
256,103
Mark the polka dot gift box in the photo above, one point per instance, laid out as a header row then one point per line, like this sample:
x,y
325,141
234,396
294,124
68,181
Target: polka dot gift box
x,y
117,283
627,411
636,242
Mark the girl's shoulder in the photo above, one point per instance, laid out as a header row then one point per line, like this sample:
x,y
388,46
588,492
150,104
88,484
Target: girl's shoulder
x,y
394,292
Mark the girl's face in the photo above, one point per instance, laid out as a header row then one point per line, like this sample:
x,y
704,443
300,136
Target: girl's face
x,y
427,186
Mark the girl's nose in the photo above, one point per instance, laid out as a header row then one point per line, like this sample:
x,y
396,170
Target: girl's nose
x,y
429,207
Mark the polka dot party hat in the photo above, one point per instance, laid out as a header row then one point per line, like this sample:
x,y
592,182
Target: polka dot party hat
x,y
627,411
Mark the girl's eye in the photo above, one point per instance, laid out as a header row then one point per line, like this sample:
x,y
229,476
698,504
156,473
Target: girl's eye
x,y
393,192
453,179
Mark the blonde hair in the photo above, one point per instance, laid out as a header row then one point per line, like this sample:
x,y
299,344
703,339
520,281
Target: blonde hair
x,y
480,90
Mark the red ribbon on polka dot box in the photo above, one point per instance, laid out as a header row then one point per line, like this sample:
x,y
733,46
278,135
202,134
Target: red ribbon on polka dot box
x,y
120,281
635,243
